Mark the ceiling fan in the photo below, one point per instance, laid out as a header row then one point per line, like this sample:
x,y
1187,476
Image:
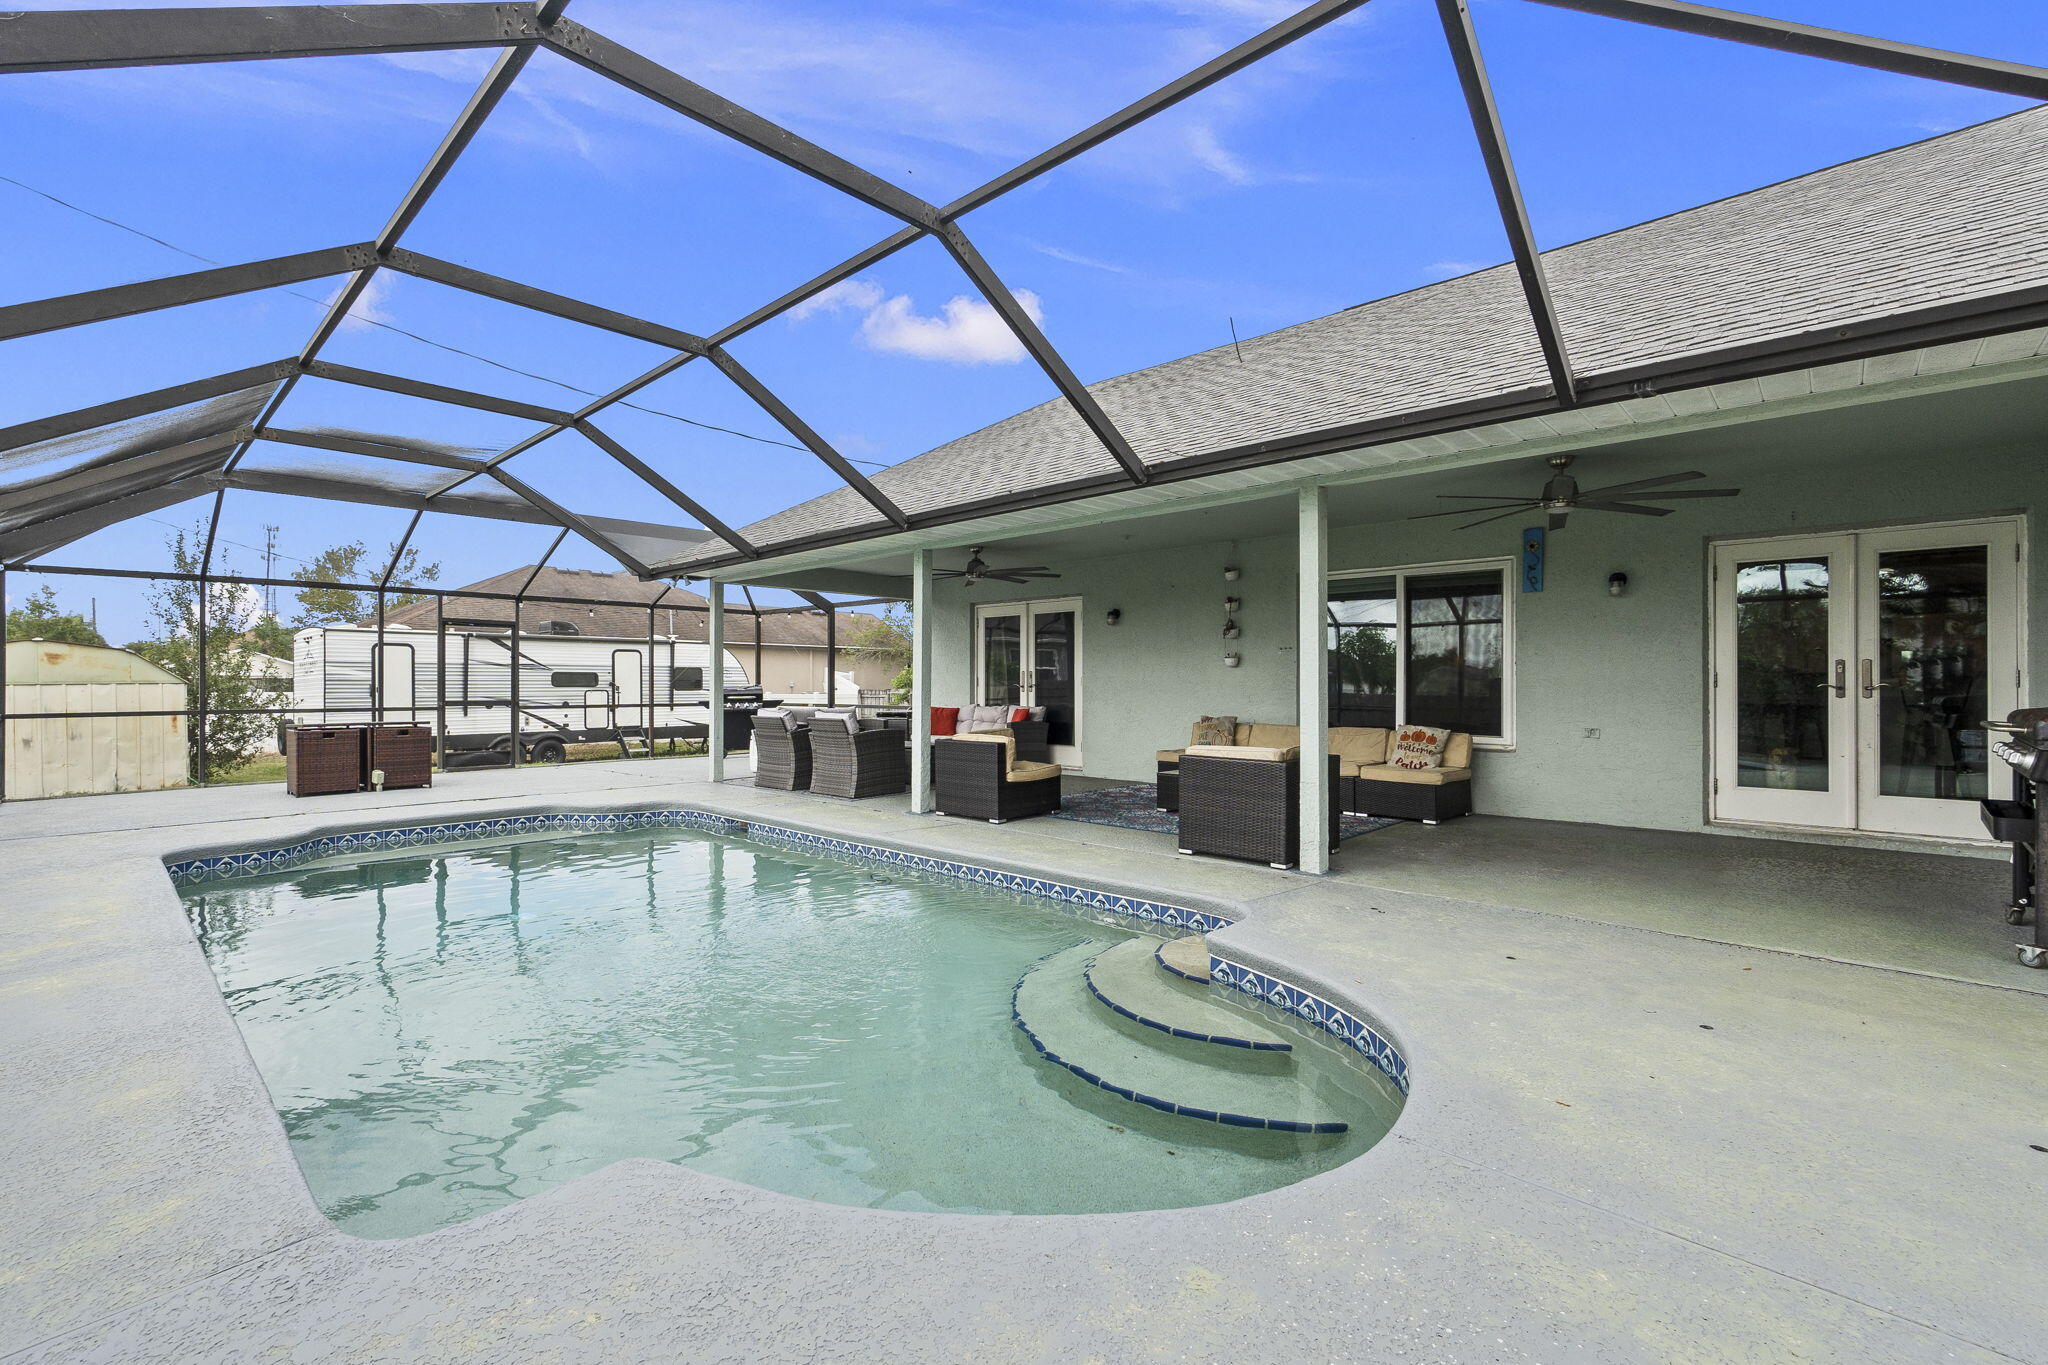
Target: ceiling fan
x,y
978,570
1562,496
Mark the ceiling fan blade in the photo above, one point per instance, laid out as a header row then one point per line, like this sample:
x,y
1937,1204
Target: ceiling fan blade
x,y
1585,506
1486,497
1468,511
1641,484
1696,493
1028,568
949,573
1556,520
1002,578
1511,512
1041,574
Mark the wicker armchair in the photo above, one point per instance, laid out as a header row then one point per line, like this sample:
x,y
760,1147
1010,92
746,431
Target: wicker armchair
x,y
856,764
1246,808
782,753
977,778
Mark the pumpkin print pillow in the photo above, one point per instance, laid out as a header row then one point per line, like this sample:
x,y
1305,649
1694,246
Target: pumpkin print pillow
x,y
1419,747
1215,730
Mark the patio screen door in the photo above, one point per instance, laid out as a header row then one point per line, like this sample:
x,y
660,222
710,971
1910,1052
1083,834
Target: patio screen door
x,y
1029,654
1853,675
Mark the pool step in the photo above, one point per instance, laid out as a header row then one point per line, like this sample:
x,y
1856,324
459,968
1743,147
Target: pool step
x,y
1060,1015
1126,978
1188,957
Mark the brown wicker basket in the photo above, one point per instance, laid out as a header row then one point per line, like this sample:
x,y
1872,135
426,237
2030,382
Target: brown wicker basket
x,y
322,760
405,753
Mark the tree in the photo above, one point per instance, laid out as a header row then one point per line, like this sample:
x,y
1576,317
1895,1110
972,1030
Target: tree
x,y
268,635
230,612
345,564
39,619
886,639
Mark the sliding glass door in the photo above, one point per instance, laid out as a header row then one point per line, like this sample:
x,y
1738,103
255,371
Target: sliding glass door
x,y
1029,654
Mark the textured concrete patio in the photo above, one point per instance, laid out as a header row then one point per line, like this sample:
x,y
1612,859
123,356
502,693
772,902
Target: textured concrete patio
x,y
1628,1139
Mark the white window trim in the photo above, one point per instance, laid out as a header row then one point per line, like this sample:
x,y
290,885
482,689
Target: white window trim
x,y
1508,567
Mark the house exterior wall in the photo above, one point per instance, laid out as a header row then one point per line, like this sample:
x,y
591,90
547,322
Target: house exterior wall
x,y
800,669
1634,667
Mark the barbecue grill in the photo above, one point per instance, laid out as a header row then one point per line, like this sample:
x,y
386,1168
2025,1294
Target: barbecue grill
x,y
2018,821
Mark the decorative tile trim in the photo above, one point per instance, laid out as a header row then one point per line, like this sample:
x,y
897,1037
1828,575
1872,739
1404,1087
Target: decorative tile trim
x,y
1159,956
1153,1101
1341,1024
1220,1039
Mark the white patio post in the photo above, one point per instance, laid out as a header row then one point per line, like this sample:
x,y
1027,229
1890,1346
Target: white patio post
x,y
715,681
1312,533
920,681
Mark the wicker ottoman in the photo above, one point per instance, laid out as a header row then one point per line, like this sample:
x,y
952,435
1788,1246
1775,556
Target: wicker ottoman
x,y
1247,808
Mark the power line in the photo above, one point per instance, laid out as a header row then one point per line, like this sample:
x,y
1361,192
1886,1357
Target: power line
x,y
423,340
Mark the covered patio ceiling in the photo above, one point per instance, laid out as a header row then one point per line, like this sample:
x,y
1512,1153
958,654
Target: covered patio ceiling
x,y
65,476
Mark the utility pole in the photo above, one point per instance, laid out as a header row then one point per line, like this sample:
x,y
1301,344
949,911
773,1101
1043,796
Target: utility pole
x,y
270,570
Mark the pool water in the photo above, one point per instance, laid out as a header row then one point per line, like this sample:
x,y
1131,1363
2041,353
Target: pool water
x,y
449,1031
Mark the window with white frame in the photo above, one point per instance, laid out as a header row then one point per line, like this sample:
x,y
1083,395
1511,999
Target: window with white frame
x,y
1429,645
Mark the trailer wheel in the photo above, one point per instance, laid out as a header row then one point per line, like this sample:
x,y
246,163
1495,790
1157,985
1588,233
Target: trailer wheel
x,y
548,750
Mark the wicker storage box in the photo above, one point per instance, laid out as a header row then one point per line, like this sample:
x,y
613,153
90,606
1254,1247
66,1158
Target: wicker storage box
x,y
405,754
1246,808
322,760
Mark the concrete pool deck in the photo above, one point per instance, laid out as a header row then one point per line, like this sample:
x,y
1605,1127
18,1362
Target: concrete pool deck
x,y
1627,1139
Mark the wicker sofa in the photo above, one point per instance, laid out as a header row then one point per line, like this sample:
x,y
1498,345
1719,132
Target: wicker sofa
x,y
1366,783
782,752
856,759
1032,736
980,776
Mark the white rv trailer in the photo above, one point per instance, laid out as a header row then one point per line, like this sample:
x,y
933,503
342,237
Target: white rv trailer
x,y
573,689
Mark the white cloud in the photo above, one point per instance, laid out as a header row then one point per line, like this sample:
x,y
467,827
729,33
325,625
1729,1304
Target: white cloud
x,y
1060,253
1445,270
857,295
1210,153
368,309
967,331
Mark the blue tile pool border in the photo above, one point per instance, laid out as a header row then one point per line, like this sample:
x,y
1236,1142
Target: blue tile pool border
x,y
1334,1020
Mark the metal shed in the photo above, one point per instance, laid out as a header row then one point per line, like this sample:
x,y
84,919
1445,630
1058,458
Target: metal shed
x,y
71,747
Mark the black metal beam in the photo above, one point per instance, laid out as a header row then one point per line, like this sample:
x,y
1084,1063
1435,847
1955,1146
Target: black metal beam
x,y
649,78
436,393
570,520
1027,332
668,490
141,405
1879,54
25,542
147,296
1507,191
812,441
341,490
376,450
541,301
111,472
85,40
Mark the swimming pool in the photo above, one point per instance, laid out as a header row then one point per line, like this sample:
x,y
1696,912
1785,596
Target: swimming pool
x,y
446,1030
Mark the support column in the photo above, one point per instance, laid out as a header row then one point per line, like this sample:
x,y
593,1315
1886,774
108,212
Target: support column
x,y
714,680
920,681
832,657
1312,653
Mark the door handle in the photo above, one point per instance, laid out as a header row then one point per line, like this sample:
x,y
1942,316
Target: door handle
x,y
1841,682
1870,683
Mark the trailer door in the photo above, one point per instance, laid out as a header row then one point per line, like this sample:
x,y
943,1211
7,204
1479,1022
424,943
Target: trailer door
x,y
629,685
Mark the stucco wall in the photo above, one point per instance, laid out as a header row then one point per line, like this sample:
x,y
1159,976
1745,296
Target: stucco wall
x,y
1633,667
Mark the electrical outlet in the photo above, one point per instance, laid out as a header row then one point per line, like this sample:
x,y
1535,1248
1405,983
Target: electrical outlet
x,y
1592,732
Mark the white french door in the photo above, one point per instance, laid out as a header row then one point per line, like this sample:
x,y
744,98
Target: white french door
x,y
1029,654
1853,675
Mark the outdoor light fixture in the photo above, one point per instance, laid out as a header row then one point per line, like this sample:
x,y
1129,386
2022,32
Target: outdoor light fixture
x,y
1232,660
1617,584
1115,615
1230,573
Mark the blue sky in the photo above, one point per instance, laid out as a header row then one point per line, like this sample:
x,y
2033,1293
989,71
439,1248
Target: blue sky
x,y
1339,171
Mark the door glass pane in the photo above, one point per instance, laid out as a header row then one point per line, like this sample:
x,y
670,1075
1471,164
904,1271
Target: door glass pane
x,y
1933,660
1053,672
1362,642
1002,669
1781,664
1455,631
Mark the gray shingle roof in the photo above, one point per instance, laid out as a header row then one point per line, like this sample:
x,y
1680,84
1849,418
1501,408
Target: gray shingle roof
x,y
1957,216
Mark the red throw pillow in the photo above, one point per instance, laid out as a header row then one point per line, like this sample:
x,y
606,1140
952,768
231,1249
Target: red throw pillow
x,y
1020,713
945,719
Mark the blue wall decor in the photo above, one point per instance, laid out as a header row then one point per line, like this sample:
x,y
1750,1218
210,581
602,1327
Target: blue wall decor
x,y
1532,559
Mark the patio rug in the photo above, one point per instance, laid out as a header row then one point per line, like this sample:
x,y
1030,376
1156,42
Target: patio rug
x,y
1131,808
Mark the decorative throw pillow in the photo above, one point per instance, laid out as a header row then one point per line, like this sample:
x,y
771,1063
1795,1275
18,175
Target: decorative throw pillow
x,y
1214,730
1018,713
945,719
1419,747
849,719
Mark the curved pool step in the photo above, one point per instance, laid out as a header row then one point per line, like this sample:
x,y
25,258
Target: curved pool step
x,y
1126,978
1187,956
1055,1009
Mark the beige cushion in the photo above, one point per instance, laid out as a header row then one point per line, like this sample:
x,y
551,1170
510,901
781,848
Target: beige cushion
x,y
1458,752
1169,755
1428,777
1264,753
1002,737
1024,770
1346,768
1273,737
1357,746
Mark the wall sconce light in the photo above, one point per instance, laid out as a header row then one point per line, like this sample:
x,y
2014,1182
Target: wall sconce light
x,y
1230,606
1230,572
1115,615
1232,660
1617,584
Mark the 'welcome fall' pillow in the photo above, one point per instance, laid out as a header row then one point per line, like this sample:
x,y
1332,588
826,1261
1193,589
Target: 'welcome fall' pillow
x,y
1419,747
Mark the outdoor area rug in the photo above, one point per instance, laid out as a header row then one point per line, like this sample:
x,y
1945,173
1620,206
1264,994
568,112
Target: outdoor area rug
x,y
1131,808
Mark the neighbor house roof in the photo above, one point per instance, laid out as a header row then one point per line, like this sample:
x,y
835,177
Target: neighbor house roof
x,y
682,614
1956,217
